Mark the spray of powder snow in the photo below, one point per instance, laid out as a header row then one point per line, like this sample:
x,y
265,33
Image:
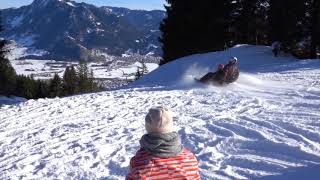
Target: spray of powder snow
x,y
246,82
194,71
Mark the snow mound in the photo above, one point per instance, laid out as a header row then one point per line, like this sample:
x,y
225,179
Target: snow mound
x,y
251,58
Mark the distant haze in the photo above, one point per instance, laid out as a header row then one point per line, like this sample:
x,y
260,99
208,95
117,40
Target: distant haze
x,y
132,4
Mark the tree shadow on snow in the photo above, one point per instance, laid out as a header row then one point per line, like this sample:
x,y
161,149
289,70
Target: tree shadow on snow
x,y
4,100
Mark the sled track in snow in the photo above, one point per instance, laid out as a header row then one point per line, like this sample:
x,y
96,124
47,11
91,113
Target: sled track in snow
x,y
243,131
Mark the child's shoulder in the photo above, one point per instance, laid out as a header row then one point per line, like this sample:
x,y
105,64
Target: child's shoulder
x,y
142,154
187,152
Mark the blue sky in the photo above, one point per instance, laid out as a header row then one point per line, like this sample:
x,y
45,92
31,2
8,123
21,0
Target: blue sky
x,y
132,4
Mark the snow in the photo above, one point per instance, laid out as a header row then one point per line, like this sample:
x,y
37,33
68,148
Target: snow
x,y
39,69
89,30
152,46
108,10
70,37
21,47
45,69
150,54
123,72
125,55
267,123
70,4
252,59
154,30
11,100
44,2
17,52
91,18
25,40
99,30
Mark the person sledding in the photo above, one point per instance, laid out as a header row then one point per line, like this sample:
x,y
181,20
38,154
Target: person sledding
x,y
232,70
224,75
217,77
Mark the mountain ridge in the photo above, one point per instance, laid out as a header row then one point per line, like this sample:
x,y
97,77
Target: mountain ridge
x,y
70,30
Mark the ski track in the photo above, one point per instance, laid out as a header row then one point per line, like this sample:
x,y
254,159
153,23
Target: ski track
x,y
261,125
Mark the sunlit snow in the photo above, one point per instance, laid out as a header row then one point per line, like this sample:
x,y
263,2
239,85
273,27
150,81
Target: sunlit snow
x,y
267,123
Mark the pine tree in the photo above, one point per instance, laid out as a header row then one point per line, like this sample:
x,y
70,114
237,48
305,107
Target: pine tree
x,y
286,22
26,87
70,81
141,71
194,27
55,86
7,72
42,89
138,74
93,85
144,68
83,73
75,79
248,22
315,28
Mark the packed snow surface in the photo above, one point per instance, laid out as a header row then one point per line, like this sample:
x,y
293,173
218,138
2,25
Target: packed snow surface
x,y
267,123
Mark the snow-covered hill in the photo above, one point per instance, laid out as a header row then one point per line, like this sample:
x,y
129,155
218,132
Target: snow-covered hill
x,y
267,123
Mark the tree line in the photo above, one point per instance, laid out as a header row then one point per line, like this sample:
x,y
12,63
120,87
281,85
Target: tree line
x,y
75,80
211,25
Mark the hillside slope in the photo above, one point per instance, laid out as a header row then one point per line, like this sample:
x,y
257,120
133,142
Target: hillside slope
x,y
267,123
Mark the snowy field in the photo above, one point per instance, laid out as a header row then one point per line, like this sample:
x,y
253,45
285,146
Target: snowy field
x,y
45,69
112,67
267,123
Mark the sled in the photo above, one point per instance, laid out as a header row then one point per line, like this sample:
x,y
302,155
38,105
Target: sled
x,y
213,81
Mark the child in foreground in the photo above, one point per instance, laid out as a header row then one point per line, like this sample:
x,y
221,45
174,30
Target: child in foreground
x,y
161,154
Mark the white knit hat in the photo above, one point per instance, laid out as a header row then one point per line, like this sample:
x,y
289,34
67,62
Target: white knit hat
x,y
159,120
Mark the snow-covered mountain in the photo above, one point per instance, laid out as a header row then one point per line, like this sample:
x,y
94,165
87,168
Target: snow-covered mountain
x,y
267,123
64,29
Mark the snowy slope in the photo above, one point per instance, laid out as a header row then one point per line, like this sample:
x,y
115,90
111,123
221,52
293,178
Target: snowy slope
x,y
252,59
267,123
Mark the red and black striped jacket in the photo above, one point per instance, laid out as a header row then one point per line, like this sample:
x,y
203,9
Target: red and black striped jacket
x,y
145,166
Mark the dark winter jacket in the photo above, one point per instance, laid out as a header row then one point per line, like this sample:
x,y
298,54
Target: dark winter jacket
x,y
232,72
213,78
